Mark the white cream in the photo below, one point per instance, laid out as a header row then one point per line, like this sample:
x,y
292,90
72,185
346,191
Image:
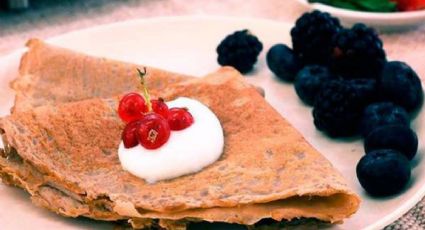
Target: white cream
x,y
187,151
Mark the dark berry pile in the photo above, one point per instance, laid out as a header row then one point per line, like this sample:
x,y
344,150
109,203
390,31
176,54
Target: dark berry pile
x,y
344,74
239,50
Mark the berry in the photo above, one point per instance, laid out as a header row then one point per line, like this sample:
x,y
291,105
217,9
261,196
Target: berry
x,y
312,37
366,89
358,52
153,131
179,118
309,80
131,107
282,61
397,137
129,134
383,172
159,107
337,109
381,114
401,85
410,5
239,50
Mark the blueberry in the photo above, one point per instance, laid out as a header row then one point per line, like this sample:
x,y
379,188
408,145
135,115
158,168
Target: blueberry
x,y
383,172
380,114
401,85
283,62
400,138
309,80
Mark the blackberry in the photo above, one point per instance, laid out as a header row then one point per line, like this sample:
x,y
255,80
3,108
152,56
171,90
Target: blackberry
x,y
282,61
400,84
380,114
383,172
309,81
312,37
397,137
337,109
358,52
239,50
365,88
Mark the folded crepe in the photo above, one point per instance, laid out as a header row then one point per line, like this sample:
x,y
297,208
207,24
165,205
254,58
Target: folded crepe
x,y
65,154
53,75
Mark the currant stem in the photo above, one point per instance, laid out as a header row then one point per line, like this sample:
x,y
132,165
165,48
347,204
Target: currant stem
x,y
145,89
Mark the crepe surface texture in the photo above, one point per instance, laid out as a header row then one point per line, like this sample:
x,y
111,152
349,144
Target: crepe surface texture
x,y
52,75
65,156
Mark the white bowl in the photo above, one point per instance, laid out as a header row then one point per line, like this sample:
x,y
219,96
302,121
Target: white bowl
x,y
382,21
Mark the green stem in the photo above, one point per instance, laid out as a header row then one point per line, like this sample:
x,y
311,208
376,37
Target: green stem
x,y
145,89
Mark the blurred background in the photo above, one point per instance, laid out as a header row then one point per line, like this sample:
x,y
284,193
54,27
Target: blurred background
x,y
47,18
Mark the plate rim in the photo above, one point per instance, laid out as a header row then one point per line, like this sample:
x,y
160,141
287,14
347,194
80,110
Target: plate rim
x,y
57,39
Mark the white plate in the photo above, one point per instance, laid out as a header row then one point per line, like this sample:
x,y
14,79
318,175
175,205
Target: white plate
x,y
383,21
187,45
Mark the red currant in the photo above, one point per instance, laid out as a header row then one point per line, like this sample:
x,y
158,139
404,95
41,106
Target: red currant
x,y
159,107
153,131
129,134
410,5
131,107
179,118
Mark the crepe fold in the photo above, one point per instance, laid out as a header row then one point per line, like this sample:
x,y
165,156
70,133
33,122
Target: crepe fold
x,y
65,156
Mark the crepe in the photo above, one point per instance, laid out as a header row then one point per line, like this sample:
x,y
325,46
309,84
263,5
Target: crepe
x,y
54,75
65,156
51,75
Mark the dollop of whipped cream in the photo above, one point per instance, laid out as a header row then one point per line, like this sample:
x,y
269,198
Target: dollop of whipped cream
x,y
187,151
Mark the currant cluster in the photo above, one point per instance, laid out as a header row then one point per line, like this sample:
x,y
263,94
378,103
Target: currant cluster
x,y
149,122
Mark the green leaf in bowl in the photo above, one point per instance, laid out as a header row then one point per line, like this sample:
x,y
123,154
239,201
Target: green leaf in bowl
x,y
362,5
